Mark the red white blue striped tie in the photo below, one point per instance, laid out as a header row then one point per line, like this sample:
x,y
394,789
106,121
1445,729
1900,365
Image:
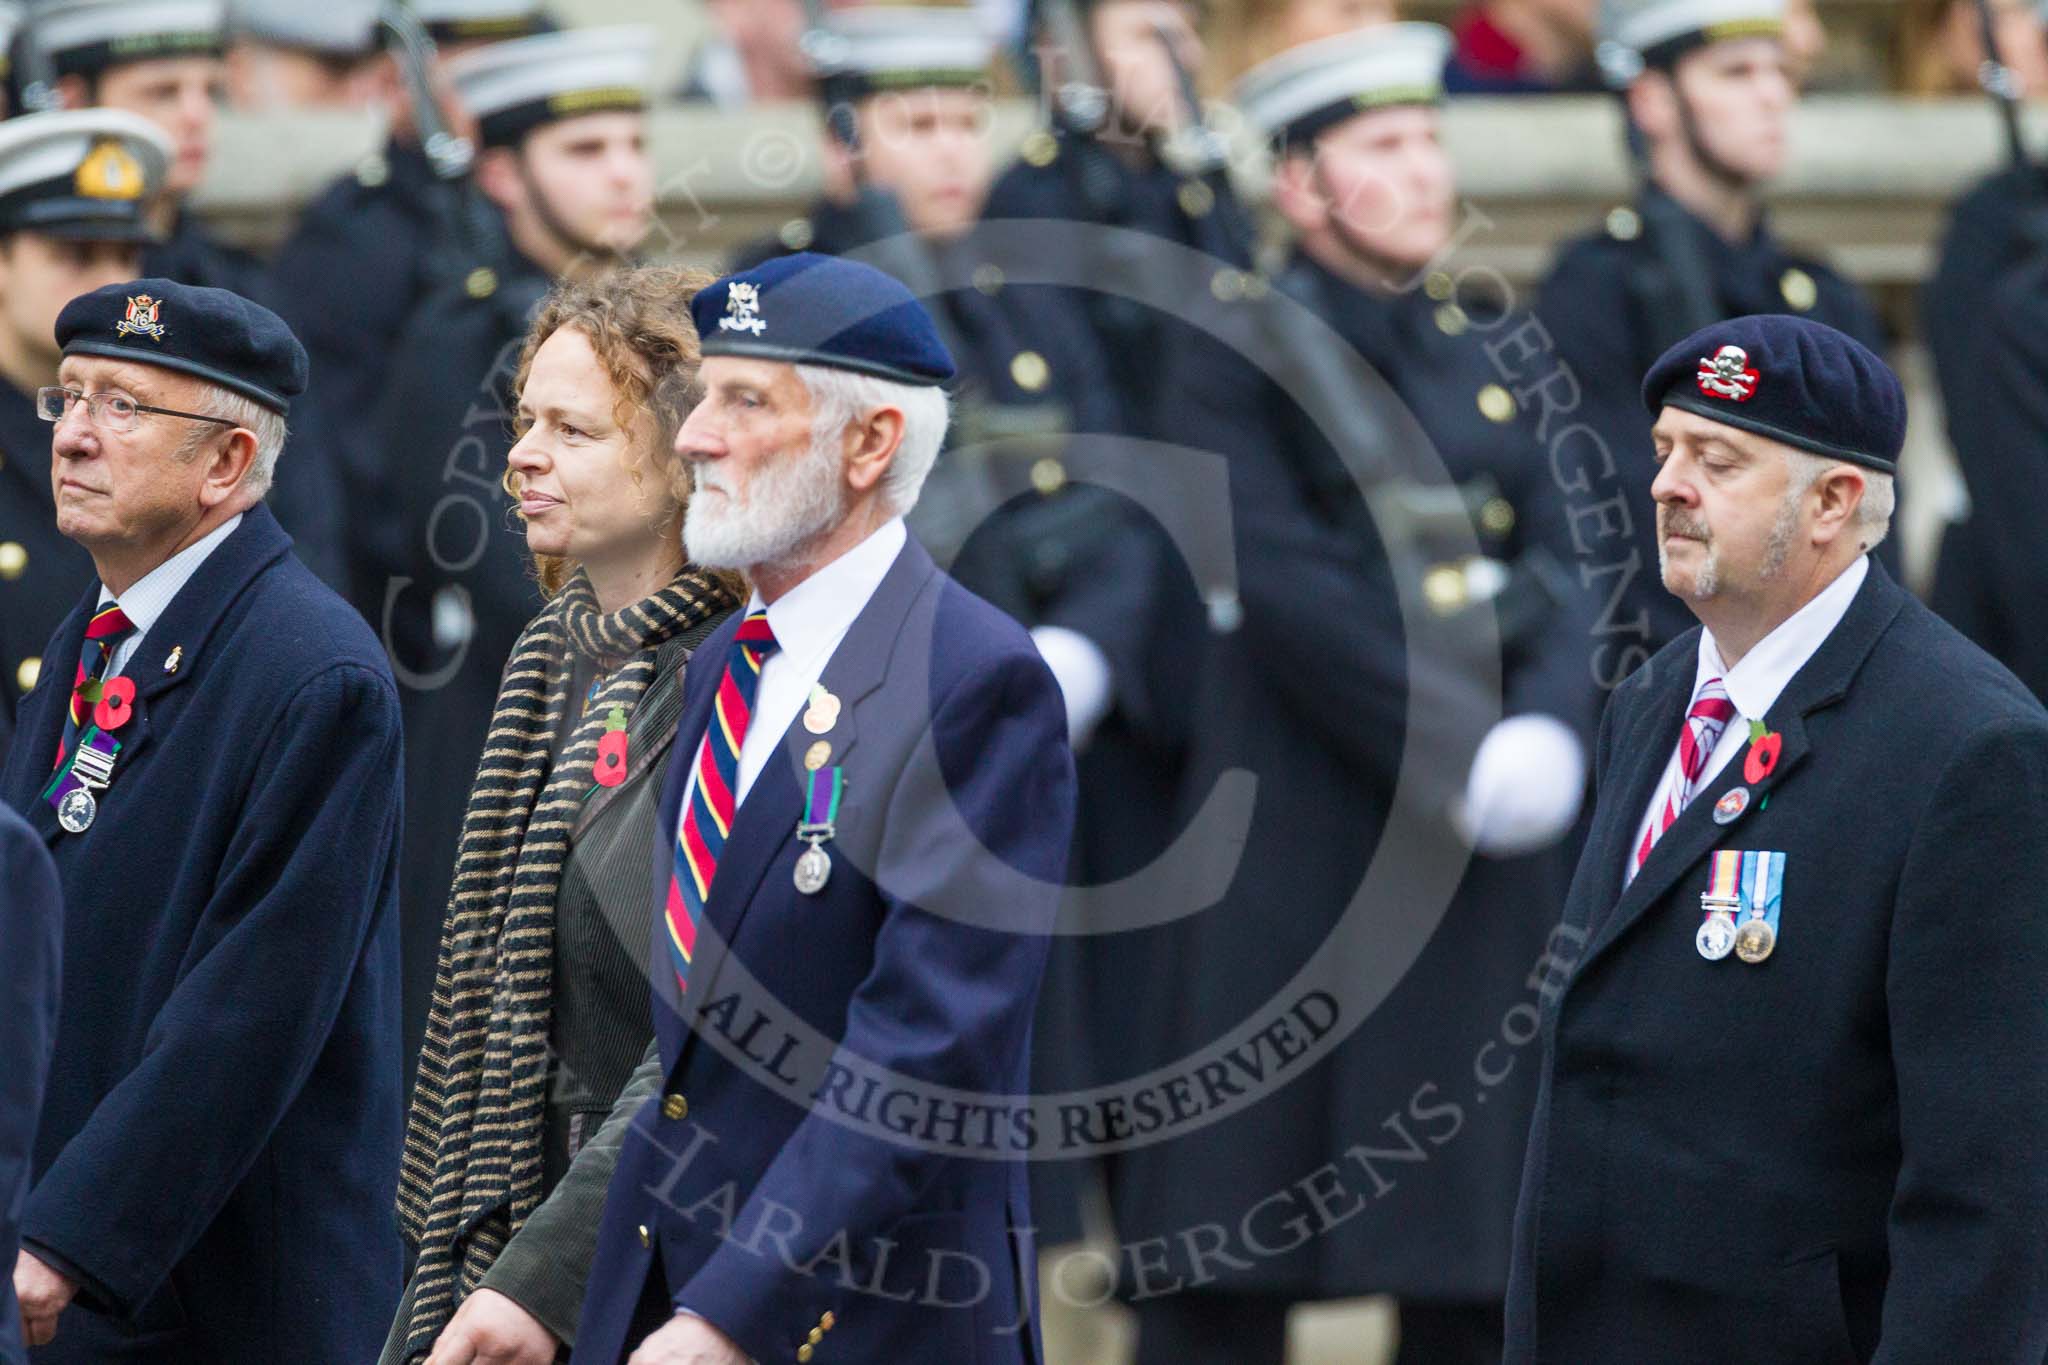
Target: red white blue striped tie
x,y
707,818
1711,711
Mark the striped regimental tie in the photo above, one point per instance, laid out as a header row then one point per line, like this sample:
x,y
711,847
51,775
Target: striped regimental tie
x,y
1711,711
707,819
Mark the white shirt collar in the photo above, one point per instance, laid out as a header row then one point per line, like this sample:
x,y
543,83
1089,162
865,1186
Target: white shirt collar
x,y
1755,683
816,614
150,595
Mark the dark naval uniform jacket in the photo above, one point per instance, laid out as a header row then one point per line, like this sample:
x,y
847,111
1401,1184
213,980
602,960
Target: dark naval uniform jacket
x,y
1601,307
32,927
774,1188
40,569
440,567
1319,695
220,1138
1829,1155
360,261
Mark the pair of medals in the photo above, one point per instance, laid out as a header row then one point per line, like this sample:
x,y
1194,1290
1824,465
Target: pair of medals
x,y
1741,905
74,790
825,785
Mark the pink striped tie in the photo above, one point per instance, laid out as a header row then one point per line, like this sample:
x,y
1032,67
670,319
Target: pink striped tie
x,y
1711,711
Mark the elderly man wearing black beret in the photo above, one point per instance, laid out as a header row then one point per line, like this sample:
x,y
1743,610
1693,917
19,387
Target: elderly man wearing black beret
x,y
212,757
1793,1092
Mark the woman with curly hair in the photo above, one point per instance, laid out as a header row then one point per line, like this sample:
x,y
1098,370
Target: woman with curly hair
x,y
540,1009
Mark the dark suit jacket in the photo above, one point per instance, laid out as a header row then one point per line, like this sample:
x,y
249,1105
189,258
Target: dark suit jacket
x,y
1832,1155
776,1217
32,932
220,1141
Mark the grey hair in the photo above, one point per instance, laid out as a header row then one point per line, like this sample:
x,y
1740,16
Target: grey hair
x,y
268,426
840,397
1880,495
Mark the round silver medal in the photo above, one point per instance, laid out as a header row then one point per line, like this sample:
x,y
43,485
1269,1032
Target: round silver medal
x,y
813,869
1716,938
1755,940
77,811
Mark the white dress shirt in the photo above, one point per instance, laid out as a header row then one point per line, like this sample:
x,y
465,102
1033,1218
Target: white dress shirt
x,y
809,621
1754,684
149,596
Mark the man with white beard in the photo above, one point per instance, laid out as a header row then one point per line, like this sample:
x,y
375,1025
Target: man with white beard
x,y
861,845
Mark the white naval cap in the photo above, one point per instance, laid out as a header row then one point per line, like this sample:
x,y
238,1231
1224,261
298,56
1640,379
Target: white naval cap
x,y
85,37
1295,96
454,21
894,47
83,173
1639,33
335,28
513,87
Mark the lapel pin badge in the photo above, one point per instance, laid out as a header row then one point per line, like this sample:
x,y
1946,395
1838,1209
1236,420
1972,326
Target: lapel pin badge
x,y
176,657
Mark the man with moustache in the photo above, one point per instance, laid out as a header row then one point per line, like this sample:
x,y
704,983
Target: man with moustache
x,y
864,840
1311,694
74,191
1709,92
1789,1093
438,564
211,757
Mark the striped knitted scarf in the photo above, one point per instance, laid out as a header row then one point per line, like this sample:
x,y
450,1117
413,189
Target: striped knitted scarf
x,y
471,1172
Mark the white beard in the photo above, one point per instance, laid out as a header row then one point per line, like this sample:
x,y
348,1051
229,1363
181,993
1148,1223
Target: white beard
x,y
786,504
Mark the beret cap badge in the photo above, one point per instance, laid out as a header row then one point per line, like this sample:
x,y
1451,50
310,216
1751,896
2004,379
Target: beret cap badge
x,y
141,319
1728,375
743,309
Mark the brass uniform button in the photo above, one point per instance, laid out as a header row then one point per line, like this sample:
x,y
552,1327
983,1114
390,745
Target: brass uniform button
x,y
1497,517
1451,320
1443,587
817,1335
1040,148
1029,370
988,278
828,1322
1439,286
1624,224
1197,200
25,676
1255,287
1497,403
1227,285
372,171
1799,290
481,282
13,560
646,1239
674,1107
797,234
803,1353
1048,476
815,757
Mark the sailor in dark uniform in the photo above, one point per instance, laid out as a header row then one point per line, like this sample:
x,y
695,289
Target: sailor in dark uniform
x,y
561,123
368,250
74,188
1314,694
284,56
1710,98
160,59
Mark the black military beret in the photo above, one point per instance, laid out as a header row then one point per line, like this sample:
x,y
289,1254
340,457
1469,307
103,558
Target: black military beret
x,y
212,333
821,310
1791,379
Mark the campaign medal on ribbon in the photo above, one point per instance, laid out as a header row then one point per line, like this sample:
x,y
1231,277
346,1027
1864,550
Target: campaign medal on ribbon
x,y
1763,887
91,770
821,814
1721,903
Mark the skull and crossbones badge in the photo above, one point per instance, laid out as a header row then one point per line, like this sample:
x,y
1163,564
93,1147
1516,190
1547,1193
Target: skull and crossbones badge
x,y
1728,375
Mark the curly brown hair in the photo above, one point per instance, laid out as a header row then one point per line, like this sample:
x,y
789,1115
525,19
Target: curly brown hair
x,y
637,320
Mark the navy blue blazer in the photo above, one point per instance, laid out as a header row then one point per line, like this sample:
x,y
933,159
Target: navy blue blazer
x,y
1832,1155
220,1140
31,943
777,1189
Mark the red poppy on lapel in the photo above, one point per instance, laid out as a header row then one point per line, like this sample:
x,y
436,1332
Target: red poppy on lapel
x,y
1762,758
610,768
116,704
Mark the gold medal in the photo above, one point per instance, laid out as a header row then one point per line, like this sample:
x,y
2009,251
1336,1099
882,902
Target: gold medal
x,y
1755,940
